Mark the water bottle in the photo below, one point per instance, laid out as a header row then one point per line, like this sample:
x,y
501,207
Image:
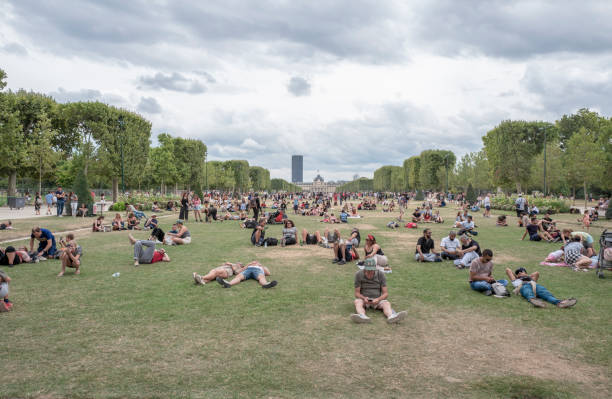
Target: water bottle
x,y
266,244
117,274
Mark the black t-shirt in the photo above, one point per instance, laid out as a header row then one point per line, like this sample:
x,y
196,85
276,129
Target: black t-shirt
x,y
426,244
532,229
471,244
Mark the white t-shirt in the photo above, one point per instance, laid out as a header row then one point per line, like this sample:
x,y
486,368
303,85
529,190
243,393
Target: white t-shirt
x,y
487,201
449,244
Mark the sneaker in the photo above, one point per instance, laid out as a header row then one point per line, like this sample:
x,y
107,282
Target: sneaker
x,y
342,262
538,303
224,283
567,303
397,317
40,258
270,284
198,279
282,242
488,292
336,260
360,318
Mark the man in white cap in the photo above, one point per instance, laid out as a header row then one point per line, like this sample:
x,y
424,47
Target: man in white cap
x,y
371,293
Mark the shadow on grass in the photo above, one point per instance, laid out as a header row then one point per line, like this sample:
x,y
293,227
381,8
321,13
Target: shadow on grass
x,y
522,387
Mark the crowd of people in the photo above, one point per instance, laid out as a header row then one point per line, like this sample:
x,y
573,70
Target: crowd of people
x,y
370,281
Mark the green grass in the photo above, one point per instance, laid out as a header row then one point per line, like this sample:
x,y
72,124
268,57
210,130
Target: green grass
x,y
152,333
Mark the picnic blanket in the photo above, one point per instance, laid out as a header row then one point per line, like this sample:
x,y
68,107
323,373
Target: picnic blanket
x,y
563,264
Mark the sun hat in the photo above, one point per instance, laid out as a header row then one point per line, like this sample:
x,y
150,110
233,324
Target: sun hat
x,y
369,264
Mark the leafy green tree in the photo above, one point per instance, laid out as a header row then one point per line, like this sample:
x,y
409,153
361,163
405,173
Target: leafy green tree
x,y
470,194
570,124
259,177
382,178
162,162
431,163
190,155
414,171
2,79
511,148
585,160
41,158
81,188
240,170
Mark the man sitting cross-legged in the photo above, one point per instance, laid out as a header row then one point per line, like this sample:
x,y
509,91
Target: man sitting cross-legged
x,y
450,246
470,250
254,270
224,271
481,273
533,292
425,249
371,293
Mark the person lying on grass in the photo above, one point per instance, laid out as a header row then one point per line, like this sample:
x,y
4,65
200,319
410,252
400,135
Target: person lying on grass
x,y
533,292
481,274
253,270
46,245
11,257
8,225
371,293
71,255
5,304
224,271
181,237
145,252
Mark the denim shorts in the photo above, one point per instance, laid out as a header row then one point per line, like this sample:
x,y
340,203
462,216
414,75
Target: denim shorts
x,y
251,272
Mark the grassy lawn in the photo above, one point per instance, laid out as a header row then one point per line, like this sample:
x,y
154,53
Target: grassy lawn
x,y
152,333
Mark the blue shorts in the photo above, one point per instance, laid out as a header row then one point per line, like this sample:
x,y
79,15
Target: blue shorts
x,y
251,272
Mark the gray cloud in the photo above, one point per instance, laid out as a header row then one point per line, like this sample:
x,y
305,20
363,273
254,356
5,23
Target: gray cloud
x,y
14,48
149,105
173,82
517,29
64,96
209,78
298,86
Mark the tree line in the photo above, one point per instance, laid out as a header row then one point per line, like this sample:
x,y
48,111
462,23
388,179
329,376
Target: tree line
x,y
52,143
575,151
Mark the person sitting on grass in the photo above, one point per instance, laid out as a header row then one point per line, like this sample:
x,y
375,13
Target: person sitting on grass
x,y
344,251
533,292
145,252
289,234
11,257
5,304
371,292
155,207
586,238
573,254
98,224
259,232
6,225
501,221
132,209
71,255
151,223
311,239
224,271
132,222
467,226
416,215
46,246
450,246
425,249
372,250
533,229
118,223
436,217
181,237
253,270
481,274
470,250
82,212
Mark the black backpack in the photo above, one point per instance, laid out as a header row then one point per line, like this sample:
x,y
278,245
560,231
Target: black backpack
x,y
271,241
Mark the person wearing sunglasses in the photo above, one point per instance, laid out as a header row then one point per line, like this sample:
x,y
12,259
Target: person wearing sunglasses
x,y
534,293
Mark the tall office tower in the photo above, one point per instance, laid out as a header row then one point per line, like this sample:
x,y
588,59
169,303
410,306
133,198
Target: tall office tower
x,y
297,168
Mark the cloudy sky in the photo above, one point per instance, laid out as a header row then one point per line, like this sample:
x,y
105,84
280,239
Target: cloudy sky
x,y
351,85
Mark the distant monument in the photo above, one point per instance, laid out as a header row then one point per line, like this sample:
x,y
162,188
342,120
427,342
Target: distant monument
x,y
297,168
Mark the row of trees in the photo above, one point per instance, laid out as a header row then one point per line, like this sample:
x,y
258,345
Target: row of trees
x,y
575,152
52,143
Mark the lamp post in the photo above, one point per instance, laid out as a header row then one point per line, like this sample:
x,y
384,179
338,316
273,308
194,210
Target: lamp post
x,y
446,167
544,130
122,129
206,169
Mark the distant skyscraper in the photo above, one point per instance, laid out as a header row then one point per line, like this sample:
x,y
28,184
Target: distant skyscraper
x,y
297,168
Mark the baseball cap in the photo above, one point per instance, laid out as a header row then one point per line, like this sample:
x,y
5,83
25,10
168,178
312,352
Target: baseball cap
x,y
370,264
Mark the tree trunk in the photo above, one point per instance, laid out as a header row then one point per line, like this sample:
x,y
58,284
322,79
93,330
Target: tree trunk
x,y
12,184
518,188
585,195
115,189
40,178
573,195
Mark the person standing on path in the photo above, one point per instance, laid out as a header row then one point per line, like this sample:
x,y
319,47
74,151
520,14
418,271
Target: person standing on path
x,y
184,213
49,200
61,197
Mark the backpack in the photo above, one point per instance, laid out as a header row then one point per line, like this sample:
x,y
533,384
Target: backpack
x,y
499,290
250,224
271,241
